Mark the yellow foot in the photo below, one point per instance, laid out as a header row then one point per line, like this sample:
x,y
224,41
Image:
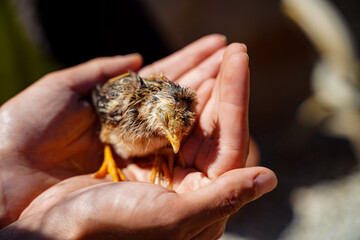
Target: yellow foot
x,y
109,166
156,173
162,172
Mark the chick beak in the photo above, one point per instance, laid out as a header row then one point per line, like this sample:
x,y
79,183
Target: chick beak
x,y
175,140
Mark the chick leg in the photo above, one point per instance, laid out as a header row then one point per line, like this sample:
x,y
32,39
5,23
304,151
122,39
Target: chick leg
x,y
156,173
109,166
161,172
166,181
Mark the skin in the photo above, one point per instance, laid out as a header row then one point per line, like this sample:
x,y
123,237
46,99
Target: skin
x,y
50,142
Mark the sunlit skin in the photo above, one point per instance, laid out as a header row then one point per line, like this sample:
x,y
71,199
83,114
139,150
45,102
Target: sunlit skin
x,y
50,146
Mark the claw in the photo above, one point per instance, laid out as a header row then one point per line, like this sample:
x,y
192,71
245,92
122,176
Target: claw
x,y
109,166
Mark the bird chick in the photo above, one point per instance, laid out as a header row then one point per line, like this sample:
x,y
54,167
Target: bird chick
x,y
140,116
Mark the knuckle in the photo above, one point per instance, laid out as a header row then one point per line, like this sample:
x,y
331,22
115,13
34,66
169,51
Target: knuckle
x,y
236,199
230,206
248,192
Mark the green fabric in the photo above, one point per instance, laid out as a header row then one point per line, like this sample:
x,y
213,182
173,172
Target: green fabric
x,y
21,63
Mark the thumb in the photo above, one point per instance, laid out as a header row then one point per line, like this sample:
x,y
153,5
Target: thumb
x,y
227,194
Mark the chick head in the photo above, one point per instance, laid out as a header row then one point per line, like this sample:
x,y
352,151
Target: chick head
x,y
174,111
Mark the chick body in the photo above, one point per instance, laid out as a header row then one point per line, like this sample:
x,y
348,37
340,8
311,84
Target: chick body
x,y
138,115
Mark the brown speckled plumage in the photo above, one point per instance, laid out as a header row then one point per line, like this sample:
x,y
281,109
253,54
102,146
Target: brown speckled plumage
x,y
138,114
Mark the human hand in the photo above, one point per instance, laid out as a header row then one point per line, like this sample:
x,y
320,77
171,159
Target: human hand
x,y
49,133
86,208
205,56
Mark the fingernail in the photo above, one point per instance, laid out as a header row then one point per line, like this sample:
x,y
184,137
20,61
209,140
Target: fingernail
x,y
244,45
265,182
224,37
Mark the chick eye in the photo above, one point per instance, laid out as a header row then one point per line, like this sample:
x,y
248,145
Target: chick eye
x,y
164,118
166,115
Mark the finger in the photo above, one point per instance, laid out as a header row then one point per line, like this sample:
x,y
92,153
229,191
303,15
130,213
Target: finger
x,y
209,68
183,60
83,77
225,196
230,50
232,101
214,231
220,127
211,109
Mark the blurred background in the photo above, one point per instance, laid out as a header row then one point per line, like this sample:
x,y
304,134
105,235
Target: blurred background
x,y
305,101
